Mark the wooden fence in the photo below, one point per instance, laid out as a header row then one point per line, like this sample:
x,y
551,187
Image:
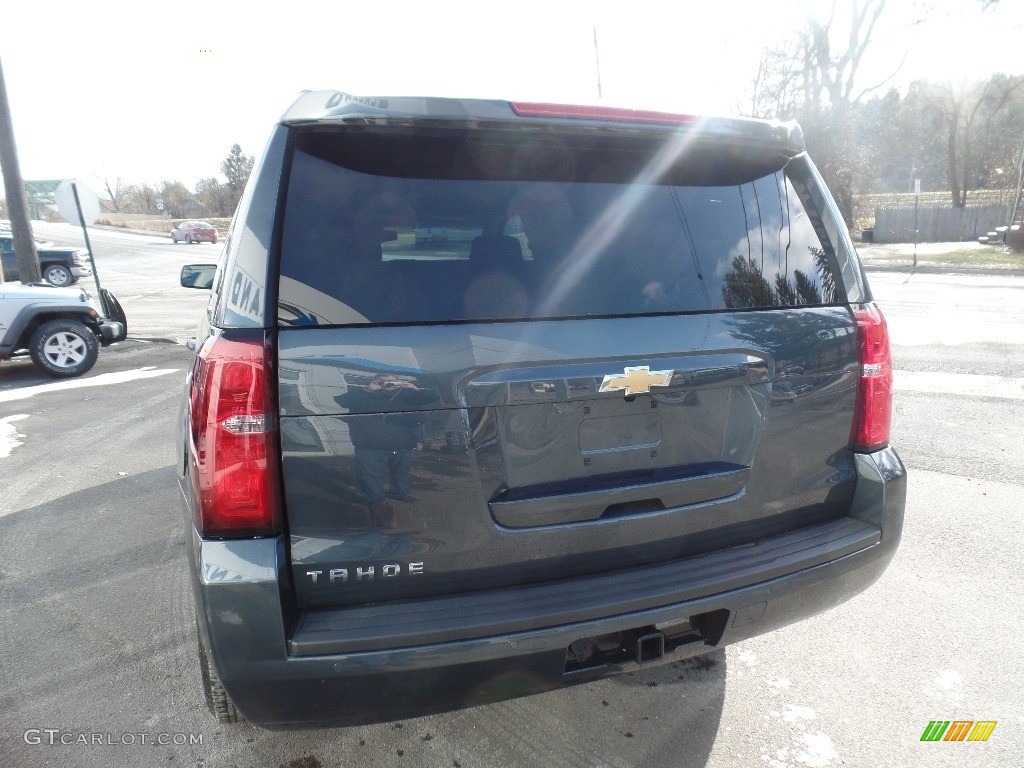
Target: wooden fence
x,y
937,223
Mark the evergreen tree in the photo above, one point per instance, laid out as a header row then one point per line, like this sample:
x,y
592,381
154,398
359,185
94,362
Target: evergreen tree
x,y
236,168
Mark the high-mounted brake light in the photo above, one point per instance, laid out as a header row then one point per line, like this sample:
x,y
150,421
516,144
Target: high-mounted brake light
x,y
873,415
234,433
534,109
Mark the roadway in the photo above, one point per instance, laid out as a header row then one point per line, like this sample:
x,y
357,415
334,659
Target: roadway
x,y
142,272
96,616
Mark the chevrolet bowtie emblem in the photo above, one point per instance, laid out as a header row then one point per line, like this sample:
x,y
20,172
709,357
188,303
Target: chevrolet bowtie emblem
x,y
636,381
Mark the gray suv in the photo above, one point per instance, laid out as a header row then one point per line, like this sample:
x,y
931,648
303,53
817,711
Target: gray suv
x,y
492,398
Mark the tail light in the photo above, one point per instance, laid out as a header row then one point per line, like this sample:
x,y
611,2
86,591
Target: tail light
x,y
873,416
234,440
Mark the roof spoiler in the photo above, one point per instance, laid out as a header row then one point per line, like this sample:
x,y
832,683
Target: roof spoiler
x,y
332,106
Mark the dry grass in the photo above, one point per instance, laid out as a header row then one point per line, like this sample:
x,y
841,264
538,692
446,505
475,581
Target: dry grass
x,y
967,255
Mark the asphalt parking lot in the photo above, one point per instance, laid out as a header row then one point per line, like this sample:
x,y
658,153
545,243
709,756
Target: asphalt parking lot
x,y
97,646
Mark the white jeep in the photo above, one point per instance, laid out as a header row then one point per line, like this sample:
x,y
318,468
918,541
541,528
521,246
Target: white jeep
x,y
62,329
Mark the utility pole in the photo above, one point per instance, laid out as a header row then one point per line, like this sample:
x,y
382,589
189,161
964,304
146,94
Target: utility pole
x,y
17,201
597,60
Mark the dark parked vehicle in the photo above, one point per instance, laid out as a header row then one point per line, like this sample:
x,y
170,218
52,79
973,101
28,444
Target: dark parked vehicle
x,y
640,413
194,232
59,266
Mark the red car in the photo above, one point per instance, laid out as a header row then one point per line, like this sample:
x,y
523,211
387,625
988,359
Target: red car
x,y
194,232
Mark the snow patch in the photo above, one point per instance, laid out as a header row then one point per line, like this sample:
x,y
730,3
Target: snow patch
x,y
951,330
949,680
966,384
948,687
10,438
794,713
778,760
141,237
103,379
818,750
815,750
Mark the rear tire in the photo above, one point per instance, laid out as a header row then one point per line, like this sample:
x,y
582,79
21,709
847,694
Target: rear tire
x,y
217,699
64,348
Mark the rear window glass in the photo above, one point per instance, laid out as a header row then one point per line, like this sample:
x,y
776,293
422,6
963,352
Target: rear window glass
x,y
568,233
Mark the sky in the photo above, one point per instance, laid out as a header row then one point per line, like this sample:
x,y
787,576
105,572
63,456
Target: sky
x,y
149,91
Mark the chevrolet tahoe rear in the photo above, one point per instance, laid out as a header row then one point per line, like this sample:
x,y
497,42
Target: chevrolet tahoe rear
x,y
493,398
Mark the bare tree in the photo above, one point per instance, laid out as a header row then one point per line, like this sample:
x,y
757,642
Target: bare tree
x,y
778,86
117,195
832,70
969,110
813,77
214,197
141,198
178,201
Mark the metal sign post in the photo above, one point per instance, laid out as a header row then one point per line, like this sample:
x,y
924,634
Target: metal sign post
x,y
88,247
917,198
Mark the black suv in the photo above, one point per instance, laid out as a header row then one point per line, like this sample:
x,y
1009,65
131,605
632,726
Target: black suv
x,y
492,398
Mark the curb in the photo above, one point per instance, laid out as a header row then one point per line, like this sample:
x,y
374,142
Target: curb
x,y
927,269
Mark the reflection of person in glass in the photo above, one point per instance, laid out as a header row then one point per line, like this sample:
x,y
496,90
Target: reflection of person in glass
x,y
384,441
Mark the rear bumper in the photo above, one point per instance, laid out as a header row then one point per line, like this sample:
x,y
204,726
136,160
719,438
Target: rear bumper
x,y
374,664
79,270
